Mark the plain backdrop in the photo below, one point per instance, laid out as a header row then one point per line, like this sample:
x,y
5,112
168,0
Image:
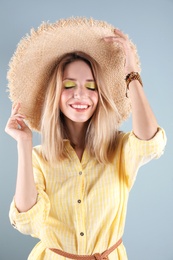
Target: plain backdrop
x,y
149,227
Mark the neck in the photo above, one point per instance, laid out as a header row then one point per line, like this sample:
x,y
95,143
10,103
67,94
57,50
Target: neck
x,y
76,133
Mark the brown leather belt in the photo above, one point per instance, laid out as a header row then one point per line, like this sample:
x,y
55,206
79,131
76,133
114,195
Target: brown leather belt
x,y
96,256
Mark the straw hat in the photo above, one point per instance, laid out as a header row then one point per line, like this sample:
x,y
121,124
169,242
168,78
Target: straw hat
x,y
37,54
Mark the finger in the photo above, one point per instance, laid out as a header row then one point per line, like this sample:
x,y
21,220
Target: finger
x,y
11,125
119,41
15,124
15,108
120,33
15,105
18,116
115,39
109,39
20,124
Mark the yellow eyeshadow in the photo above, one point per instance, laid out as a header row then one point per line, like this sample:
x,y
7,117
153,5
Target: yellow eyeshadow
x,y
90,85
69,84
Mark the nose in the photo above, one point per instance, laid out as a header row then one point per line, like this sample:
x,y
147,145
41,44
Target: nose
x,y
79,92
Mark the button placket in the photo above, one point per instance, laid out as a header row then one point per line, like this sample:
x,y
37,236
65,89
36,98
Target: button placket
x,y
81,210
79,201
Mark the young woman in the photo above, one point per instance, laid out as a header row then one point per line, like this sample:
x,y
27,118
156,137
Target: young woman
x,y
72,190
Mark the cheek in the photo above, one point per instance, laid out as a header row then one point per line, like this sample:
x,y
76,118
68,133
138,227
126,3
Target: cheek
x,y
95,98
64,96
62,100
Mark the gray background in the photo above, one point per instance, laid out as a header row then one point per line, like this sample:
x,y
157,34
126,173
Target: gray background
x,y
149,227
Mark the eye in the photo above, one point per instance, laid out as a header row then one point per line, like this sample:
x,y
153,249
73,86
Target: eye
x,y
91,85
69,84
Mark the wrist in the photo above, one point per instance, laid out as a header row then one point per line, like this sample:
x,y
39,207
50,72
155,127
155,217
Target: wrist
x,y
24,144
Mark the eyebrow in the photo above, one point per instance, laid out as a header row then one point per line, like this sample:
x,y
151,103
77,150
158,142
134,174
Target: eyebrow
x,y
88,80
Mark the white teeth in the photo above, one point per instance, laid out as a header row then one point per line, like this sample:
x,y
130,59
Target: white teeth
x,y
80,106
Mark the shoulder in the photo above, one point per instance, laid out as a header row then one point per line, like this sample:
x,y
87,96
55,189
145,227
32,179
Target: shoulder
x,y
37,155
37,151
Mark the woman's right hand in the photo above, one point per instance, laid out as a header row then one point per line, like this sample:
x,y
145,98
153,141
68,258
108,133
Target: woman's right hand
x,y
16,127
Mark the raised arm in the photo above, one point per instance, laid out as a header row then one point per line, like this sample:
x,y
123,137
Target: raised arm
x,y
26,193
144,122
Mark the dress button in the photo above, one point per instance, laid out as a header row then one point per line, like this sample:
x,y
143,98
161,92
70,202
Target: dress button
x,y
80,173
82,234
79,201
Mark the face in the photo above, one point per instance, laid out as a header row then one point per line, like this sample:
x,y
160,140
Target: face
x,y
79,96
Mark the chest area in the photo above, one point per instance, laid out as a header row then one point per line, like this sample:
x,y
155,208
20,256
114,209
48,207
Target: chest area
x,y
70,186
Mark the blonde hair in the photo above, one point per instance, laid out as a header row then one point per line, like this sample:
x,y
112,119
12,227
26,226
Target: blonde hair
x,y
101,135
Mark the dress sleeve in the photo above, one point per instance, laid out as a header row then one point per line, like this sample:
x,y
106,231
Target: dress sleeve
x,y
30,222
136,152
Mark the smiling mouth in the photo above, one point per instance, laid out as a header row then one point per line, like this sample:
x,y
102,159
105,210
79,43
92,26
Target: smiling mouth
x,y
81,107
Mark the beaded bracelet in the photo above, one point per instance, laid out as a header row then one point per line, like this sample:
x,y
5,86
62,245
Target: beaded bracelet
x,y
130,77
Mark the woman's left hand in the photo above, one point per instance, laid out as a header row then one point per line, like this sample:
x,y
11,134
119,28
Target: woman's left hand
x,y
130,53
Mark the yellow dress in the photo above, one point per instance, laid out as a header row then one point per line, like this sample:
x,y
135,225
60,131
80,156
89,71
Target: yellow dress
x,y
81,206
